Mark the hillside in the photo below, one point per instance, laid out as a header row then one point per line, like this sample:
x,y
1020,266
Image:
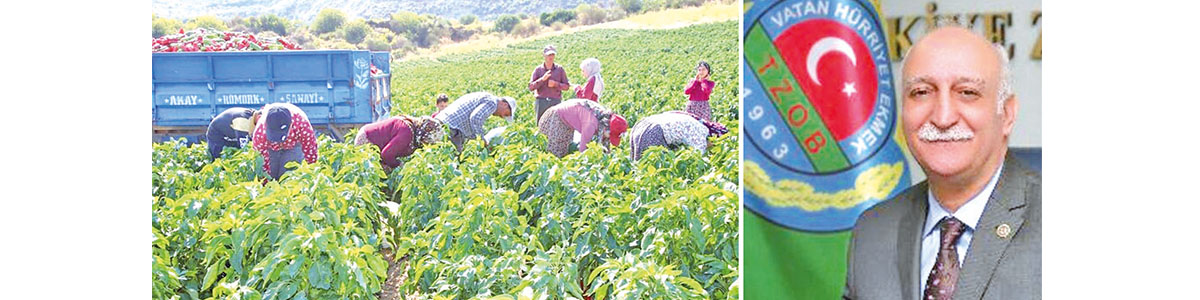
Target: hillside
x,y
659,19
307,10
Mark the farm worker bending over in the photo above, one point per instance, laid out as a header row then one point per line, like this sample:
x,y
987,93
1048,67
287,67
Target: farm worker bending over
x,y
283,134
231,128
548,82
466,115
591,119
399,136
595,85
698,91
671,129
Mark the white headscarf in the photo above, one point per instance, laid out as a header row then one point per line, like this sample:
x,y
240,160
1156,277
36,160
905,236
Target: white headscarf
x,y
591,68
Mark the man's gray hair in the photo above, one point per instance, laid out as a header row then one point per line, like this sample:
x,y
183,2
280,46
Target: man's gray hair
x,y
1005,91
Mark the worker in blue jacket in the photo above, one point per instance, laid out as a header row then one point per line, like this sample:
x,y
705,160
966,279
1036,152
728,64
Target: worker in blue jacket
x,y
231,128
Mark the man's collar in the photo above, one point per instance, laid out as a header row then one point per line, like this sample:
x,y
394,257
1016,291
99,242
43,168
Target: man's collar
x,y
969,213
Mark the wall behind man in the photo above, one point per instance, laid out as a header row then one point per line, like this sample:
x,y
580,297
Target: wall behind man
x,y
1015,23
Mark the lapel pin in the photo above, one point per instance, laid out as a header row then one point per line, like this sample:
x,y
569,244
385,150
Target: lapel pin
x,y
1003,231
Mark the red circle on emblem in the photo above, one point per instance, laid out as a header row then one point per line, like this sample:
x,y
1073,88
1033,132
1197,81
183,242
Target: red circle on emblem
x,y
843,93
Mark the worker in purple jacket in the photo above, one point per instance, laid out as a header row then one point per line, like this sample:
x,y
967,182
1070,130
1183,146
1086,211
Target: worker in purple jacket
x,y
399,136
548,82
231,128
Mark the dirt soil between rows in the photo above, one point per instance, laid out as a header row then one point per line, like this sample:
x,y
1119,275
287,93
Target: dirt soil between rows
x,y
395,275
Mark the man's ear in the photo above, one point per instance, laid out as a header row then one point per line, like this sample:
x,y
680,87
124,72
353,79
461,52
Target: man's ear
x,y
1009,116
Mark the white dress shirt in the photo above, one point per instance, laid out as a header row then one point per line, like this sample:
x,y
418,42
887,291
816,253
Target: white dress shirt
x,y
969,213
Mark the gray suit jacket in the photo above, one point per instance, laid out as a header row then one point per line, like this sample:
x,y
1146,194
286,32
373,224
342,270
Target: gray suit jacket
x,y
885,250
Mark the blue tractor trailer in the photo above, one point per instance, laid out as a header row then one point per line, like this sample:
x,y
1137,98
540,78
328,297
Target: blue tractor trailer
x,y
336,88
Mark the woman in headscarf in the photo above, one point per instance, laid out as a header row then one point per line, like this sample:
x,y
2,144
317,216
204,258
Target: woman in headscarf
x,y
591,119
399,136
671,129
698,91
595,84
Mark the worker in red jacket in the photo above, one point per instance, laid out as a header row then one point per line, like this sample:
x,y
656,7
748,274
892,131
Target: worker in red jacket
x,y
399,136
284,134
594,86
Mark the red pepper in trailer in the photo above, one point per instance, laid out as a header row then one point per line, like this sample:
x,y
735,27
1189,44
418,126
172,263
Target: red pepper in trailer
x,y
206,40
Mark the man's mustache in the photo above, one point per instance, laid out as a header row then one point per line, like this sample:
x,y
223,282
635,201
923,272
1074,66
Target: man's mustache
x,y
959,132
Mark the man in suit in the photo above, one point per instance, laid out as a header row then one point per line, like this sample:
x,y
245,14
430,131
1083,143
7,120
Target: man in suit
x,y
972,230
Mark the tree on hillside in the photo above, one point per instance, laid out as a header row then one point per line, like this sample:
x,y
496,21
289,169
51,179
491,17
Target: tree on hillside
x,y
356,31
378,43
379,23
562,15
269,22
424,30
630,6
686,3
328,20
237,22
505,23
209,22
653,5
527,27
614,14
462,33
164,26
401,43
438,28
467,19
406,23
303,37
590,14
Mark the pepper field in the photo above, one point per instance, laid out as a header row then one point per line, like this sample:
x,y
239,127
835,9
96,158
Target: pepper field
x,y
512,222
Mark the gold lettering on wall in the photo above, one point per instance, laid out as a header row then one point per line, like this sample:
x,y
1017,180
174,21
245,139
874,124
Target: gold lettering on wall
x,y
930,17
994,25
1036,54
898,36
995,29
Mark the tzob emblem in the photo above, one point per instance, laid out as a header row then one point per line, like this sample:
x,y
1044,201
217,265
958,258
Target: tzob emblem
x,y
819,113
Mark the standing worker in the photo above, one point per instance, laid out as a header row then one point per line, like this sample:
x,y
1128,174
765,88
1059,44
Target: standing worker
x,y
231,128
548,82
399,136
283,134
591,119
465,116
698,91
673,128
594,87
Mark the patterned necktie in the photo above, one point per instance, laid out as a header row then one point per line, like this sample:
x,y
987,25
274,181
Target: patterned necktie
x,y
944,275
